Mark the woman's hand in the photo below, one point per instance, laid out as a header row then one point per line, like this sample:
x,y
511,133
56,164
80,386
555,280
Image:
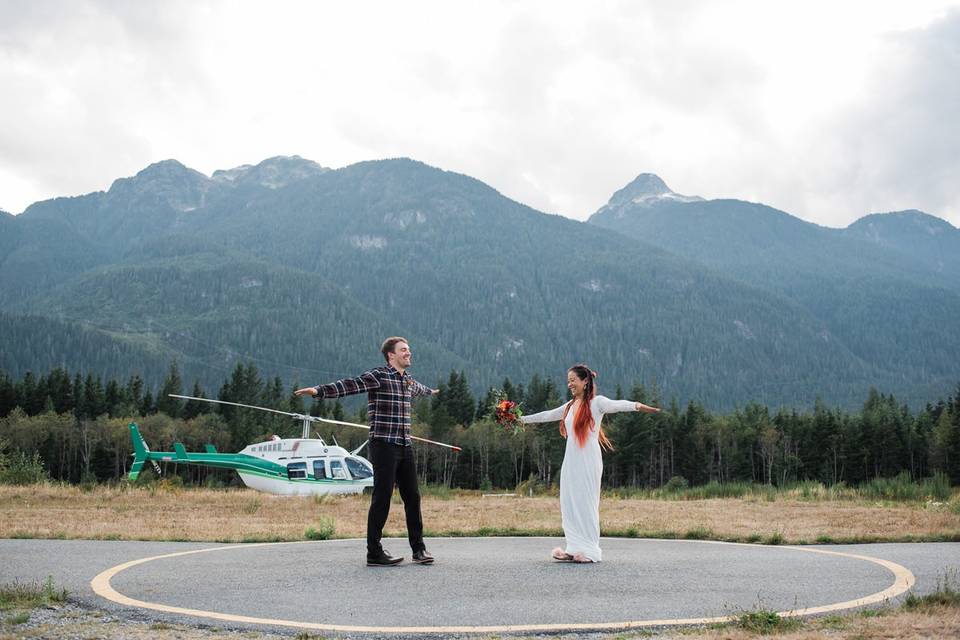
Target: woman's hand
x,y
647,409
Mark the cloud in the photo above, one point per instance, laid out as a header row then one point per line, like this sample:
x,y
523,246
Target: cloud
x,y
883,140
557,105
899,143
83,85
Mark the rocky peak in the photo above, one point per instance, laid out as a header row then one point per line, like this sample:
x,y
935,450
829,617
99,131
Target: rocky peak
x,y
272,173
646,190
643,186
181,187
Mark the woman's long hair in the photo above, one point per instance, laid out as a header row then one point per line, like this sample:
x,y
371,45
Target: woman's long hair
x,y
583,420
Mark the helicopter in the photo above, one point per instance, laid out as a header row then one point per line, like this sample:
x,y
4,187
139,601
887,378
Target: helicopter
x,y
281,466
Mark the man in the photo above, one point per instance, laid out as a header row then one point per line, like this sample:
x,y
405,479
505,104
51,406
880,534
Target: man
x,y
389,392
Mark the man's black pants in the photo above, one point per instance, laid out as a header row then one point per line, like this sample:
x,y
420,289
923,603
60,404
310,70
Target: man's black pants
x,y
393,464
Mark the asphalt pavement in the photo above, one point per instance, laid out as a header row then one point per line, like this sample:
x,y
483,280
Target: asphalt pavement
x,y
477,585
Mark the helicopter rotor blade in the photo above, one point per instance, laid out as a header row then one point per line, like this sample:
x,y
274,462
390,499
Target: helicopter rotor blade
x,y
351,424
306,417
299,416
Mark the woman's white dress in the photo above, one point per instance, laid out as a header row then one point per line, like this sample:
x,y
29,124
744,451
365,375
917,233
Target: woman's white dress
x,y
580,476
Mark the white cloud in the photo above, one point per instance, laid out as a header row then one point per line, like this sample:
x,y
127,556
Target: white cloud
x,y
825,110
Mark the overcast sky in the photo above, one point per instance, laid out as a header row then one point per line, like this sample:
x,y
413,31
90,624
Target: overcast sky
x,y
827,110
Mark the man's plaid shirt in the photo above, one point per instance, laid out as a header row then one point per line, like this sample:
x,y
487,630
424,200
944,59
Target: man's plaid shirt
x,y
388,400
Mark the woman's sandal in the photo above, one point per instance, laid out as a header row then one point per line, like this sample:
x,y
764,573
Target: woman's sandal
x,y
582,559
560,555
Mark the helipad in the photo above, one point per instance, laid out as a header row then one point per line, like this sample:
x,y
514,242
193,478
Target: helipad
x,y
498,585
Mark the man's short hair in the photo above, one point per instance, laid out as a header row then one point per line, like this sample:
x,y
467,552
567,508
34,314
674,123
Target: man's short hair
x,y
388,346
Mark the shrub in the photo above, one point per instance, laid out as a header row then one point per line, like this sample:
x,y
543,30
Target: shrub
x,y
944,596
23,469
765,621
323,531
676,484
30,595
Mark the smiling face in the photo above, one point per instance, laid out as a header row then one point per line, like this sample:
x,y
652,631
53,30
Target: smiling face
x,y
401,356
575,384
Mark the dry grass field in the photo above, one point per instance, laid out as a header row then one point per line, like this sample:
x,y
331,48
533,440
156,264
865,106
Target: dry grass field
x,y
170,513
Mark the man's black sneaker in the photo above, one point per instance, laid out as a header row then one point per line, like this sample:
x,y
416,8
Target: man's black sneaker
x,y
382,559
422,557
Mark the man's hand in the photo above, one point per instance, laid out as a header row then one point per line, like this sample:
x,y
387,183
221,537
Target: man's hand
x,y
435,392
306,391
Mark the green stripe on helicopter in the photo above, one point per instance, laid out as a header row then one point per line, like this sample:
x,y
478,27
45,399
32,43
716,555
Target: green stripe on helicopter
x,y
238,461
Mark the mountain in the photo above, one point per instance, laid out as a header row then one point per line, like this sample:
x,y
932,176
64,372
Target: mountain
x,y
57,239
925,238
272,173
742,237
40,344
882,296
646,190
306,269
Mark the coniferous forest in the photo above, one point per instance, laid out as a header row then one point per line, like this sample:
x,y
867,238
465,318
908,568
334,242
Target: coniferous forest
x,y
76,427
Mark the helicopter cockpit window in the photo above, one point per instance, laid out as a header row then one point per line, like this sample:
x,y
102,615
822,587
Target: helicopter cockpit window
x,y
357,469
297,470
319,470
336,470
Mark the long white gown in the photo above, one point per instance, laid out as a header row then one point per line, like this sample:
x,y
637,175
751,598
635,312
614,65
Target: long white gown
x,y
580,476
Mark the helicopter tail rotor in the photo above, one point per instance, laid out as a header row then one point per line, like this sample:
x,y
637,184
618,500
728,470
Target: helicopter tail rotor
x,y
141,453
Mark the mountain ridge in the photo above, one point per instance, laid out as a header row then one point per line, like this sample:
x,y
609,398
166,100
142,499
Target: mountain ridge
x,y
479,281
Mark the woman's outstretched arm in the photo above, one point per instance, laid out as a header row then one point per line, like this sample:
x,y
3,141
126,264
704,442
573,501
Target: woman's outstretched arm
x,y
606,405
553,415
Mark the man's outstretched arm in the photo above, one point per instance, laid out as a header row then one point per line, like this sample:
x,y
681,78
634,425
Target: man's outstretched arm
x,y
420,389
366,381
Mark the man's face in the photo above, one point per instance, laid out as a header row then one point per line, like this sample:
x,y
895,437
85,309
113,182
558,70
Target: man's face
x,y
401,356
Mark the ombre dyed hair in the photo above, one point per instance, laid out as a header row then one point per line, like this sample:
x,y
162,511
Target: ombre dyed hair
x,y
583,420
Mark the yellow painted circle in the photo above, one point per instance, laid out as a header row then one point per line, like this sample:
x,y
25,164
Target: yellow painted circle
x,y
903,580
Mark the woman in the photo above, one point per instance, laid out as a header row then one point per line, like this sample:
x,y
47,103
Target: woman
x,y
582,463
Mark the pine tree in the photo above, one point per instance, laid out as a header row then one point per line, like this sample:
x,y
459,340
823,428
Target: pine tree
x,y
60,390
294,402
94,399
172,384
244,387
485,403
134,393
456,399
26,394
318,408
147,406
952,439
77,392
194,408
8,395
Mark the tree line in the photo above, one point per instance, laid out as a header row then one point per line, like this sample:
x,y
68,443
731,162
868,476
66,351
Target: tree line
x,y
76,426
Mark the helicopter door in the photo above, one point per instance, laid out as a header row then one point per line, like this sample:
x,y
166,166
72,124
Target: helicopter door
x,y
337,471
319,470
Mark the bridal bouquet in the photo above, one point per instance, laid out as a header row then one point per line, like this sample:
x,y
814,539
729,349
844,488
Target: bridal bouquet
x,y
508,413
